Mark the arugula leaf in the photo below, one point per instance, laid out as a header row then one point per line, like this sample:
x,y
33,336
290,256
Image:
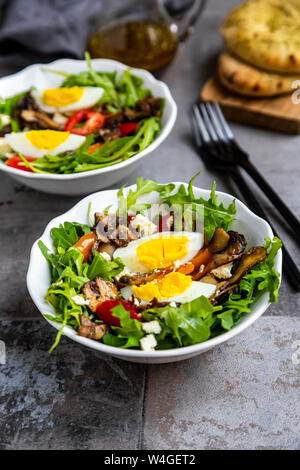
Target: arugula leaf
x,y
53,261
67,235
189,323
142,187
131,90
60,296
215,215
226,319
264,274
103,268
117,94
7,105
130,333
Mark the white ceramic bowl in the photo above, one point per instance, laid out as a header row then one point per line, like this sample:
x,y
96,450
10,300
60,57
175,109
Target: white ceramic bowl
x,y
89,181
38,276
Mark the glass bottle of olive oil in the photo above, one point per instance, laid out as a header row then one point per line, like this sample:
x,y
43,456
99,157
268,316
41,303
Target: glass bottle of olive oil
x,y
143,43
148,35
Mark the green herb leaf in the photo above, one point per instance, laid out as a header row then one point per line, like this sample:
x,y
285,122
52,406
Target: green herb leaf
x,y
67,235
104,268
189,323
7,105
215,215
143,187
130,332
264,274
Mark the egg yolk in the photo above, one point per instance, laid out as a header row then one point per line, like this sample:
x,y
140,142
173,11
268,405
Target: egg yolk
x,y
170,285
162,252
46,140
59,97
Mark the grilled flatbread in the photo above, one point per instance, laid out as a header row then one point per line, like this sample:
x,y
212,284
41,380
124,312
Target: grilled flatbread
x,y
265,33
245,79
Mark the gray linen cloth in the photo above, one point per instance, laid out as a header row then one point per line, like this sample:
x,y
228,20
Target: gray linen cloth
x,y
43,30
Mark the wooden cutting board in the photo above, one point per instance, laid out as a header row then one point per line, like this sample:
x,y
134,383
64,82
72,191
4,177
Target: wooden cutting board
x,y
279,114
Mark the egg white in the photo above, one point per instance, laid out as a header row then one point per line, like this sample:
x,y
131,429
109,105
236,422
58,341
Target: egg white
x,y
91,95
129,257
195,290
19,143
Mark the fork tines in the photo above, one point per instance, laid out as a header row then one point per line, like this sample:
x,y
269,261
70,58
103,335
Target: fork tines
x,y
211,124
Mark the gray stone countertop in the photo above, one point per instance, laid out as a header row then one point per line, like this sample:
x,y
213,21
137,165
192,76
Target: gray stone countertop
x,y
241,395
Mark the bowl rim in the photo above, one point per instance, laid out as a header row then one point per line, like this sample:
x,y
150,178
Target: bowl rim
x,y
135,353
158,141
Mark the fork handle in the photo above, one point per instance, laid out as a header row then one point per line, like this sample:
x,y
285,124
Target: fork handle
x,y
274,198
289,267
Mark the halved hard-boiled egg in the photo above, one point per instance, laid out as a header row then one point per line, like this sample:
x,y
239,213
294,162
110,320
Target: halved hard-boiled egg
x,y
43,142
160,250
173,287
67,99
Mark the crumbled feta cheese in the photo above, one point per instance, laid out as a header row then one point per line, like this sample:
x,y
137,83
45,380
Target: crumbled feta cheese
x,y
152,327
202,267
173,304
5,119
79,300
177,263
148,343
136,302
143,224
223,272
105,255
5,149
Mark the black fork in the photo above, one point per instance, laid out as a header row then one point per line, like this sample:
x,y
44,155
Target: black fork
x,y
219,150
224,138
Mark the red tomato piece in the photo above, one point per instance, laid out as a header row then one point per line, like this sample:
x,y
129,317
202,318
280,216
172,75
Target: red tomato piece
x,y
163,224
127,128
93,120
104,312
14,162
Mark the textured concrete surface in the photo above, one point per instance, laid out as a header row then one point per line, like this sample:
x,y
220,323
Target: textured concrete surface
x,y
72,399
241,395
42,404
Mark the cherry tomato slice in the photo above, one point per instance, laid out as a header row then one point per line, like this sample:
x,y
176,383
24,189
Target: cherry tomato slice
x,y
127,128
14,162
164,222
104,312
93,120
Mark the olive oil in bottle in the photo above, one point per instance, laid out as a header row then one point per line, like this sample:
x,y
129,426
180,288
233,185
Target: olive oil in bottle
x,y
145,44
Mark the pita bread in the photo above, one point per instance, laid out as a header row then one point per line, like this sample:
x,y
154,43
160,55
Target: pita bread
x,y
265,33
245,79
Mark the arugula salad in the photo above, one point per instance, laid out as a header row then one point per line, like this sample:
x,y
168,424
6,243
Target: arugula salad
x,y
93,120
155,278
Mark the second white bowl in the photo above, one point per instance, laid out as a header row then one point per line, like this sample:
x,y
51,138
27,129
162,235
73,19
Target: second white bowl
x,y
90,181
